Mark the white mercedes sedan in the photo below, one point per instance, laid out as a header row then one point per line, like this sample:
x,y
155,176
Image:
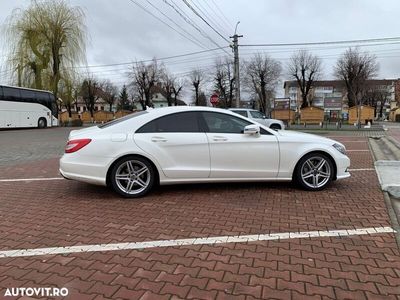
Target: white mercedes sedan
x,y
197,144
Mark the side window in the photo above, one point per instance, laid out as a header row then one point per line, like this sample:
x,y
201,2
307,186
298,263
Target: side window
x,y
178,122
11,94
1,93
256,114
27,96
223,123
241,112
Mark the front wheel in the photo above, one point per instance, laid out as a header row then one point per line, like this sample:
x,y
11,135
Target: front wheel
x,y
42,123
132,177
314,171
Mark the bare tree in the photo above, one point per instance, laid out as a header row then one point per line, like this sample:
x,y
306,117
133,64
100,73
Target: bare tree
x,y
177,89
109,92
224,82
377,98
196,79
305,68
68,92
355,68
261,76
90,93
202,101
168,85
145,76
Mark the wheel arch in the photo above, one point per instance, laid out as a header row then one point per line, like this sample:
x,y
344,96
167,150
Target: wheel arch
x,y
157,179
44,120
276,125
317,152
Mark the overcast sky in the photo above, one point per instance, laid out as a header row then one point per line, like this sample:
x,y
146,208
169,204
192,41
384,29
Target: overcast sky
x,y
120,31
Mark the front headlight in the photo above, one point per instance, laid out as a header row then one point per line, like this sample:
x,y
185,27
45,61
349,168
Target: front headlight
x,y
340,148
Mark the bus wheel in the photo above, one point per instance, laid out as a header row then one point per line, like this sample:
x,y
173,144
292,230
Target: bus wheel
x,y
42,123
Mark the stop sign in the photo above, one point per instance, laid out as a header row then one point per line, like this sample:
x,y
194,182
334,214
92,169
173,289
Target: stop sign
x,y
214,99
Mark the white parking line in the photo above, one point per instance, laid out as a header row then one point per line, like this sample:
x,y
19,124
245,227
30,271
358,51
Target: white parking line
x,y
193,241
31,179
354,141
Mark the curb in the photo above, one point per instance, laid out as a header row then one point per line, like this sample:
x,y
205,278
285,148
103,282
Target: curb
x,y
388,203
393,217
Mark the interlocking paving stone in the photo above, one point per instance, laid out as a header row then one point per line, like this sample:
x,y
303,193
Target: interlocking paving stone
x,y
66,213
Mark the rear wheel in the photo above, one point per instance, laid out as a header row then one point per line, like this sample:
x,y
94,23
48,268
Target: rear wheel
x,y
314,171
132,177
275,127
42,123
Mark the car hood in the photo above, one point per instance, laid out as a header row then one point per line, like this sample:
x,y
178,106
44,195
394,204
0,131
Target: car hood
x,y
305,137
84,131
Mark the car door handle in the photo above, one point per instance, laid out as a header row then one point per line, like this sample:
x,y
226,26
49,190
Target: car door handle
x,y
219,139
157,139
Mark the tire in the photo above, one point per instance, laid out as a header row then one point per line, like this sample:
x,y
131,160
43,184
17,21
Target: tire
x,y
275,127
314,171
132,177
42,123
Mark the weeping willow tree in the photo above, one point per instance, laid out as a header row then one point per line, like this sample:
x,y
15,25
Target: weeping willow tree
x,y
68,91
45,41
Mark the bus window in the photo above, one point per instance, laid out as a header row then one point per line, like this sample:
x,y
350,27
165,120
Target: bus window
x,y
1,93
43,98
11,94
28,96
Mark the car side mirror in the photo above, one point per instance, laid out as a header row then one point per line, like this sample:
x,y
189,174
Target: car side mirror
x,y
251,129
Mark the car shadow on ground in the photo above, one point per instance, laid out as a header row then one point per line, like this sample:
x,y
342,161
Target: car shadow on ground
x,y
199,189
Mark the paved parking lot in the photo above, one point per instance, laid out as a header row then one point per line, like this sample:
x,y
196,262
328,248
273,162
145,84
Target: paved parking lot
x,y
248,261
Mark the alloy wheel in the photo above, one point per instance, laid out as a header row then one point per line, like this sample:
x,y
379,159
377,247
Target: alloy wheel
x,y
316,172
132,177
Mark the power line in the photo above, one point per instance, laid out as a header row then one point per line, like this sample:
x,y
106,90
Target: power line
x,y
322,48
187,19
149,12
171,20
229,23
150,60
205,21
207,15
323,43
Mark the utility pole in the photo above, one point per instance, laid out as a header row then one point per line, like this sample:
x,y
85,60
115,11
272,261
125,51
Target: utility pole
x,y
235,48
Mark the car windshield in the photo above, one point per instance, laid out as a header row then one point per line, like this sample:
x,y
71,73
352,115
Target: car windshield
x,y
122,119
257,115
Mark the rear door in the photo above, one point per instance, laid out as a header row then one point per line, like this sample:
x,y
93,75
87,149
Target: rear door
x,y
238,155
178,145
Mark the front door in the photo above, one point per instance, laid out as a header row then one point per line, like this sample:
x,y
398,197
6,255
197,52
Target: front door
x,y
237,155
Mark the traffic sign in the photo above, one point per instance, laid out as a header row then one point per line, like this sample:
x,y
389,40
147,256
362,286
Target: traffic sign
x,y
214,99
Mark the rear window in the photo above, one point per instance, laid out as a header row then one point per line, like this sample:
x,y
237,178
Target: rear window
x,y
122,119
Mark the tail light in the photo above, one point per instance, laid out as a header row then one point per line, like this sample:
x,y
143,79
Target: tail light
x,y
75,145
